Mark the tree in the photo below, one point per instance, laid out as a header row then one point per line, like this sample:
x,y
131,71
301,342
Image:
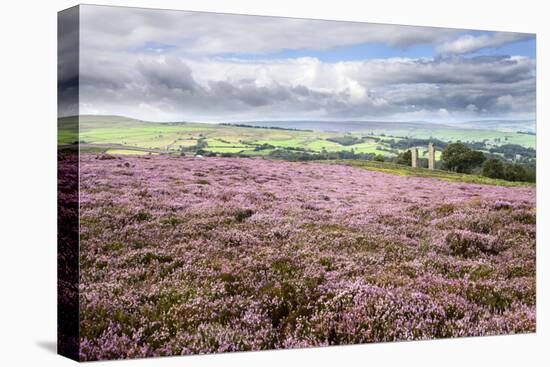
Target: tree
x,y
474,158
515,172
493,168
452,156
404,158
379,158
458,157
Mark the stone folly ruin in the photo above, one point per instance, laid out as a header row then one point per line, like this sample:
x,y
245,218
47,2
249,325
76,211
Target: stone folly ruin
x,y
414,157
431,156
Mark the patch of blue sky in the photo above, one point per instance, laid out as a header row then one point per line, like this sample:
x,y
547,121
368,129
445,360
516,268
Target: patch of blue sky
x,y
152,46
380,50
364,51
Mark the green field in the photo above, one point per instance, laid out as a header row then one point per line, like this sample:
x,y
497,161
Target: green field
x,y
67,130
126,132
401,170
492,136
125,136
129,136
127,152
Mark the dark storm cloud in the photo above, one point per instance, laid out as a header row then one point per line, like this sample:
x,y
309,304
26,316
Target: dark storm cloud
x,y
67,66
455,84
173,74
482,69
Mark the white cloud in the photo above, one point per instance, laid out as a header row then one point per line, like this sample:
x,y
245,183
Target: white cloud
x,y
215,89
442,112
471,107
468,43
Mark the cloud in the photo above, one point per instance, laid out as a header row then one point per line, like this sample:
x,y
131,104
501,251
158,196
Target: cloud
x,y
67,65
469,43
207,33
471,107
214,89
172,65
167,73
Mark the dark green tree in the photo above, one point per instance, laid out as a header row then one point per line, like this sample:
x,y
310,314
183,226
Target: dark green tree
x,y
458,157
515,172
493,168
404,158
474,158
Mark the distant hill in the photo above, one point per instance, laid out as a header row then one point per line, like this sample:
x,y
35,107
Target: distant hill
x,y
501,125
87,122
298,134
348,126
529,126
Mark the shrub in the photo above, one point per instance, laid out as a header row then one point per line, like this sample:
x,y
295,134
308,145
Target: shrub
x,y
113,246
242,214
170,220
493,168
445,209
515,172
283,267
404,158
468,244
499,205
346,140
147,258
104,157
489,296
326,262
482,271
524,216
141,216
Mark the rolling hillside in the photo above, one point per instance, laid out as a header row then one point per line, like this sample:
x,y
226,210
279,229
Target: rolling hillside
x,y
124,134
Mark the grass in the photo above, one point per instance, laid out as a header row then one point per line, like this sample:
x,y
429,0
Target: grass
x,y
401,170
256,153
228,149
221,138
221,142
127,152
67,130
131,133
528,141
329,146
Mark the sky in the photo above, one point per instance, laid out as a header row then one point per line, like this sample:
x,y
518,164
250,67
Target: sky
x,y
161,65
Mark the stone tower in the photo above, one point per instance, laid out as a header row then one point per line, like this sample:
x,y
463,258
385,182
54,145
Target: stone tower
x,y
431,156
414,157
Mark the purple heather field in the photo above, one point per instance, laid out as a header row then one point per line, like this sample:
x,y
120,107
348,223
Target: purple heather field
x,y
185,255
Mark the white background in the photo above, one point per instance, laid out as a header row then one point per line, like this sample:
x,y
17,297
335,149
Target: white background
x,y
28,181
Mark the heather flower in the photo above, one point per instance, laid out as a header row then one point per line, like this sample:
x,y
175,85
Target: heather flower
x,y
184,255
